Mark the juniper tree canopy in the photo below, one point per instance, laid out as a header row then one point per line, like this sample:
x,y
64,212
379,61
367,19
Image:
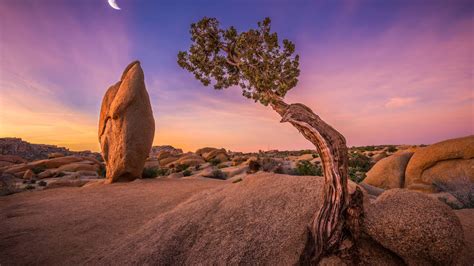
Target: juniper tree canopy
x,y
253,60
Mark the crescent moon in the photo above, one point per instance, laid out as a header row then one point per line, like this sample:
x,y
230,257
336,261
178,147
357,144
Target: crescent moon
x,y
113,4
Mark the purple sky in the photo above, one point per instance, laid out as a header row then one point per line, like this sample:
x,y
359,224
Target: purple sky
x,y
381,72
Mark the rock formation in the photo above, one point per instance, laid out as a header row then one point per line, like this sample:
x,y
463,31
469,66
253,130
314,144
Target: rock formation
x,y
263,219
7,160
443,161
389,172
209,154
32,152
419,229
156,151
126,126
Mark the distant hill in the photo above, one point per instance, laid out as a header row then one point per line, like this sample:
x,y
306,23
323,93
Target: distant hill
x,y
31,152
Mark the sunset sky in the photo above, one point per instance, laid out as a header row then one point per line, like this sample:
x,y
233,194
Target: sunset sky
x,y
381,72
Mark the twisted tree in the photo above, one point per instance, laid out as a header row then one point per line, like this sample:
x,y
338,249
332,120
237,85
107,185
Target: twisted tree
x,y
266,71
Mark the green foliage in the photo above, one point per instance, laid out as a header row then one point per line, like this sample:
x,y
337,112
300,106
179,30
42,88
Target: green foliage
x,y
102,172
60,174
181,167
305,167
359,161
279,170
218,174
187,172
162,171
356,175
152,172
269,164
358,165
253,60
215,161
254,166
38,169
392,149
149,173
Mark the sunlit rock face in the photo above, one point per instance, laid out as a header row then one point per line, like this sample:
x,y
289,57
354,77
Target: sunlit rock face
x,y
126,126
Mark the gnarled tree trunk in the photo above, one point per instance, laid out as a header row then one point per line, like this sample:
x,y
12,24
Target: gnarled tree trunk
x,y
334,222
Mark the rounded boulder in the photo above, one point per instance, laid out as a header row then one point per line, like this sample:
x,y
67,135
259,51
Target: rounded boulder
x,y
419,229
444,161
389,172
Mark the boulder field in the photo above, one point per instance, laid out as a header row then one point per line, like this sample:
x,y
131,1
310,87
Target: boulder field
x,y
48,173
261,219
440,167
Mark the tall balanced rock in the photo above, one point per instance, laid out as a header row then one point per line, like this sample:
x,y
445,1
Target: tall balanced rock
x,y
126,126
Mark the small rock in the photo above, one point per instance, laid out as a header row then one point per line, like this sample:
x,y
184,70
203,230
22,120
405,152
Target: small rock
x,y
67,183
447,198
47,173
55,155
29,175
176,175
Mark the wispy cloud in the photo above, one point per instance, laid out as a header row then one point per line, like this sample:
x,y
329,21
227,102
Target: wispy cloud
x,y
398,102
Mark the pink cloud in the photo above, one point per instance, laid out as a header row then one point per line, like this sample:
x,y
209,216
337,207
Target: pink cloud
x,y
397,102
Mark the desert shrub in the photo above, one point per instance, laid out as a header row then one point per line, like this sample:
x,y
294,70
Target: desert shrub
x,y
237,180
392,149
254,166
29,187
366,148
218,174
356,175
181,167
162,171
38,169
461,188
187,172
268,164
42,183
279,170
60,174
102,172
315,155
197,167
360,161
149,173
215,161
358,166
305,167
